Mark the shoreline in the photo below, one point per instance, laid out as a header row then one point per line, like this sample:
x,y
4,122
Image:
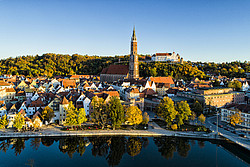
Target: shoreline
x,y
89,133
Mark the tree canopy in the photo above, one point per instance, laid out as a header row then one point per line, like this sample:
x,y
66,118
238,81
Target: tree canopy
x,y
48,113
75,116
184,112
51,64
134,115
202,118
197,107
237,85
4,122
100,113
166,110
116,112
19,121
235,118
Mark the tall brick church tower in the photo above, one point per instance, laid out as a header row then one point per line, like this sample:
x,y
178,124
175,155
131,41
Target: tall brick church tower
x,y
133,60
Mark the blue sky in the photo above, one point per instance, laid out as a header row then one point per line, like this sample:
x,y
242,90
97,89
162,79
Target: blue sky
x,y
199,30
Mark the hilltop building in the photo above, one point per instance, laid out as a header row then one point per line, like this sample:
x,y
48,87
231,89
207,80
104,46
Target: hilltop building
x,y
173,57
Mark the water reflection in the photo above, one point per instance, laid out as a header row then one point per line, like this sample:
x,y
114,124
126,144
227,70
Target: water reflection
x,y
72,145
117,149
111,148
35,143
167,146
18,145
47,141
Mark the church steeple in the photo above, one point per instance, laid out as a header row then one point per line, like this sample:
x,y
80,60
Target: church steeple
x,y
133,60
134,39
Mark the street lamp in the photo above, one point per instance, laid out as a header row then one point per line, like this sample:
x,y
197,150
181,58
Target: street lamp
x,y
217,119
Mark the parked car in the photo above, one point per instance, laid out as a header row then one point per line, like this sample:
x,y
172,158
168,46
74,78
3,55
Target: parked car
x,y
221,126
226,128
242,135
233,131
214,123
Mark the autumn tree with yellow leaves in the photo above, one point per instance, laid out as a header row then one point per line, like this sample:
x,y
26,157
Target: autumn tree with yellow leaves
x,y
134,115
235,118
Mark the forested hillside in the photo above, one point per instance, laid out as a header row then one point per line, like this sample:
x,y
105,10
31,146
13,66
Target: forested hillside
x,y
179,71
232,69
57,64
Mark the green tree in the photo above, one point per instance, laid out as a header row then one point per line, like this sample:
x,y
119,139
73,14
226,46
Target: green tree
x,y
202,118
99,114
237,85
4,122
184,112
19,121
75,116
216,83
116,112
134,115
48,113
235,118
81,116
193,116
197,107
153,72
71,117
166,110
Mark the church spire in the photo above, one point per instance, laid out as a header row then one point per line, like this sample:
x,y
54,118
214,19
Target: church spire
x,y
134,39
133,60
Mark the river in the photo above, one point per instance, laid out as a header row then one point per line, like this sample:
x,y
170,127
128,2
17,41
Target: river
x,y
121,151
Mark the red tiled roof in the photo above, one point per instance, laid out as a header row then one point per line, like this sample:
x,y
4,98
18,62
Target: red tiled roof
x,y
163,54
79,76
116,69
69,83
162,80
112,93
104,71
10,90
36,103
149,91
134,90
2,83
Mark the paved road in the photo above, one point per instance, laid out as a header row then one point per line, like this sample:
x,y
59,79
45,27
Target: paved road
x,y
235,137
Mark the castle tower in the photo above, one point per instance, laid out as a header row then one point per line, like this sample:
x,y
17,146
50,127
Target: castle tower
x,y
133,60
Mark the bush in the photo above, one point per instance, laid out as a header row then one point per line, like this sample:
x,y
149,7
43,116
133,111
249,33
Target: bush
x,y
204,129
174,127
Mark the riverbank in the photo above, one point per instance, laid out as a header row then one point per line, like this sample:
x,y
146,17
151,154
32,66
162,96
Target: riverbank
x,y
153,131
